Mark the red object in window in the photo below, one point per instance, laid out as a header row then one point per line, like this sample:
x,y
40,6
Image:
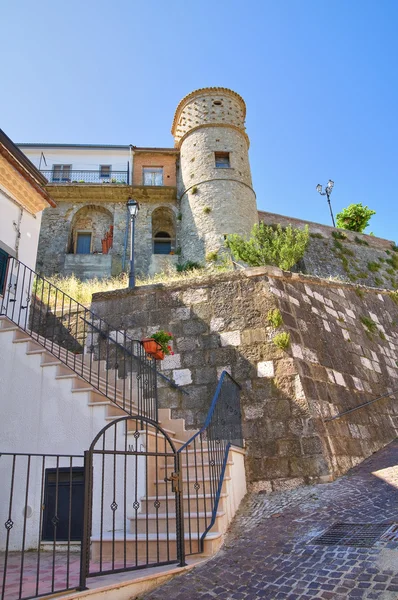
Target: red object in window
x,y
151,347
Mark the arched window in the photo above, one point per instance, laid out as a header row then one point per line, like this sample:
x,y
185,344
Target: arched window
x,y
91,231
162,243
163,230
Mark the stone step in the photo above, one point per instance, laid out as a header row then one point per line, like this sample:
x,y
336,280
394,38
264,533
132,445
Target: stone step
x,y
200,503
154,547
162,523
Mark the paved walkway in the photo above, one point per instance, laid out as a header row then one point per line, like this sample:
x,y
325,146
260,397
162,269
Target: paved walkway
x,y
270,551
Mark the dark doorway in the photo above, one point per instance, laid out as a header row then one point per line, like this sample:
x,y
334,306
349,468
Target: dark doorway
x,y
63,504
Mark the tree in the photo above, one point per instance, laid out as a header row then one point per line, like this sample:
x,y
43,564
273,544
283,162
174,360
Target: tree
x,y
355,217
269,245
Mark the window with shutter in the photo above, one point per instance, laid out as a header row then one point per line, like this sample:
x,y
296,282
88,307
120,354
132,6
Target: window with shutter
x,y
3,271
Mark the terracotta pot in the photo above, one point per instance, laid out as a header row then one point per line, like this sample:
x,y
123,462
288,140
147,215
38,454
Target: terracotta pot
x,y
104,246
152,348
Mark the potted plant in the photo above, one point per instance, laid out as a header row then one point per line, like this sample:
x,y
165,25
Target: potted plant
x,y
157,345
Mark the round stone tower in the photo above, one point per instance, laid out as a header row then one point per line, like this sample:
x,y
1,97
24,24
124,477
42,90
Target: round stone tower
x,y
214,183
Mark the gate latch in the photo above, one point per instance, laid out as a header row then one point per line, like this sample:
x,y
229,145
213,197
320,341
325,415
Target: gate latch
x,y
174,478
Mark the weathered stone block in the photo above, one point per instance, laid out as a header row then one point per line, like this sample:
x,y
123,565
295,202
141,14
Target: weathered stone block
x,y
311,445
265,369
230,338
182,376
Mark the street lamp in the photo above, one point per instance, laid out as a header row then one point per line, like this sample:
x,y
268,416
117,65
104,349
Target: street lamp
x,y
133,208
327,192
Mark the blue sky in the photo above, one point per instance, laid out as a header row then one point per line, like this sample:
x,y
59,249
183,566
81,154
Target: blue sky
x,y
319,78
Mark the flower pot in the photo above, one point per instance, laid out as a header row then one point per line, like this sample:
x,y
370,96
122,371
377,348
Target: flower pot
x,y
152,348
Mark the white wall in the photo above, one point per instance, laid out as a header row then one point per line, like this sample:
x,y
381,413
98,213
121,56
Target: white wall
x,y
80,158
29,225
40,414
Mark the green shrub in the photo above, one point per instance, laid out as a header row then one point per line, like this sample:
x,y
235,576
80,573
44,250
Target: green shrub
x,y
394,247
282,340
359,292
373,266
339,235
274,317
194,189
369,324
348,251
268,246
338,245
354,218
393,261
378,281
189,265
394,297
358,240
207,210
211,256
316,236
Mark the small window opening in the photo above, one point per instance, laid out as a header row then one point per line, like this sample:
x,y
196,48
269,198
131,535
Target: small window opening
x,y
222,160
217,103
162,243
105,171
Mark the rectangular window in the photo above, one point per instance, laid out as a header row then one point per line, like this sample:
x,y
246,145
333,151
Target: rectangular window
x,y
152,175
3,270
105,171
64,497
83,243
222,160
61,172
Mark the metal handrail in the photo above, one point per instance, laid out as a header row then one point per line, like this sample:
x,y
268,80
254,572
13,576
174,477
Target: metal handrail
x,y
86,176
221,430
67,329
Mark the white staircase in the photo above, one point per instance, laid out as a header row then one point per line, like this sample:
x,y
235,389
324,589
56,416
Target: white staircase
x,y
148,531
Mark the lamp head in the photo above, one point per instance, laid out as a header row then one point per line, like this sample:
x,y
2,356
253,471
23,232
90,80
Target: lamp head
x,y
319,188
330,184
133,207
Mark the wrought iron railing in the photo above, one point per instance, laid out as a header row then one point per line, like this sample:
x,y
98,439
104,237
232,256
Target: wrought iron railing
x,y
41,513
111,362
93,176
203,461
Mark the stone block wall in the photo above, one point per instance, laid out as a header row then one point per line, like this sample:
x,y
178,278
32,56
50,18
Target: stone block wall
x,y
344,255
342,353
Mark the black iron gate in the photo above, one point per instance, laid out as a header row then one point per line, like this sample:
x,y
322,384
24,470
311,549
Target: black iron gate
x,y
133,500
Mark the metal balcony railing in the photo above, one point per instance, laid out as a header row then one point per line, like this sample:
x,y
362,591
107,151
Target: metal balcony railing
x,y
69,177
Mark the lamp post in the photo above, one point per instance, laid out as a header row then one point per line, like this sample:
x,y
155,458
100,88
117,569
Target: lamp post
x,y
133,208
327,192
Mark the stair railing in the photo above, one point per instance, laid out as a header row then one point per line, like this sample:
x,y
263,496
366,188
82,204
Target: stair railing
x,y
111,362
203,461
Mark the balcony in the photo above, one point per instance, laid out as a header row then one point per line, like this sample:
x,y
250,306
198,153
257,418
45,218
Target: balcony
x,y
69,177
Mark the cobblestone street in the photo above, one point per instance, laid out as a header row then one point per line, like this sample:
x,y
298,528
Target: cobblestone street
x,y
270,551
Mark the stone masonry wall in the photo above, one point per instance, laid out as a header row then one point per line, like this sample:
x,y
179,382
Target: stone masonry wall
x,y
57,225
344,255
343,352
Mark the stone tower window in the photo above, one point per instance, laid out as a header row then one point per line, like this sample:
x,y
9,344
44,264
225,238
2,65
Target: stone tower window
x,y
163,230
222,160
217,103
162,243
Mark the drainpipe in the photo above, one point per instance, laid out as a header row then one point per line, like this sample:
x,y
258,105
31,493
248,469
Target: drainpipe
x,y
131,163
17,227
